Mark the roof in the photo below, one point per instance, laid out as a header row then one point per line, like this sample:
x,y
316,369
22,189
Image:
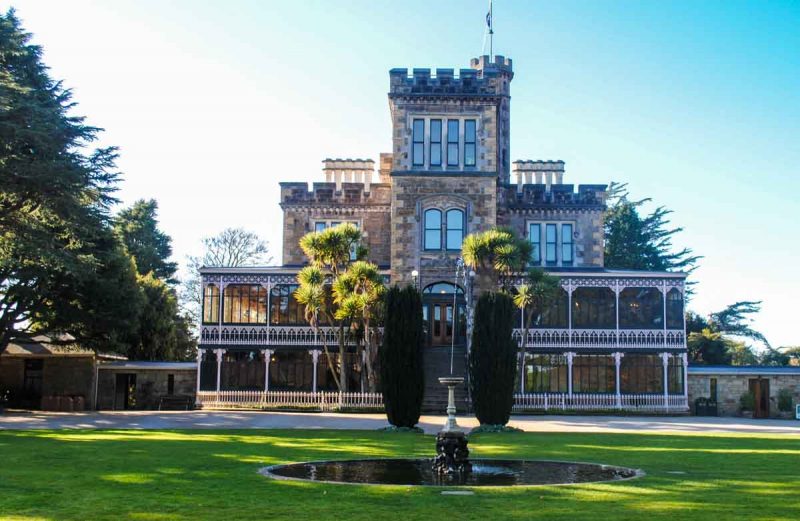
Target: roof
x,y
763,370
151,366
41,346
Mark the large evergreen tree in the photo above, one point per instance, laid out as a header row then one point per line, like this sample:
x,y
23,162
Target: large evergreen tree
x,y
401,357
137,228
641,242
492,359
55,194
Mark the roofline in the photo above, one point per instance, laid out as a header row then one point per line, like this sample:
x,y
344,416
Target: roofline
x,y
744,369
153,366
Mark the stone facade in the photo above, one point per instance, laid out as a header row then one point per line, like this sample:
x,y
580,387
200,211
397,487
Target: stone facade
x,y
732,382
151,383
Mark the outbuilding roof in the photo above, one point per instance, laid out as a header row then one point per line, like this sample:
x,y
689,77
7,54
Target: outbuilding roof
x,y
158,366
762,370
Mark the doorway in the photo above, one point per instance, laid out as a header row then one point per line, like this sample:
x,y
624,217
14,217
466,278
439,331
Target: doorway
x,y
760,389
443,314
125,392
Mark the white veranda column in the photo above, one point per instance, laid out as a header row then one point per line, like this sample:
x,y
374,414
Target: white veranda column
x,y
219,353
267,358
199,367
570,356
315,358
665,363
522,371
617,363
685,360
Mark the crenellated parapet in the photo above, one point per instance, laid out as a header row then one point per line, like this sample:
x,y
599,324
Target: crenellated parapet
x,y
541,183
485,77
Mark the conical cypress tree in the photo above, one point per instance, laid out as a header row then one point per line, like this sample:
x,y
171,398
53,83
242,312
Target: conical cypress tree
x,y
402,377
492,359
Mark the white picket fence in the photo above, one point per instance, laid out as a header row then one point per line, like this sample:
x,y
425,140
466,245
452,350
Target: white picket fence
x,y
322,400
600,402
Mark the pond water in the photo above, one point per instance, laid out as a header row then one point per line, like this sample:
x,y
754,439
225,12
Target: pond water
x,y
485,472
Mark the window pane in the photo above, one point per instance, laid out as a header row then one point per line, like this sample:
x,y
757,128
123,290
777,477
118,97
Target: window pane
x,y
452,142
469,142
418,154
436,154
433,239
469,154
550,250
433,219
318,227
535,236
436,131
455,220
566,243
419,130
454,239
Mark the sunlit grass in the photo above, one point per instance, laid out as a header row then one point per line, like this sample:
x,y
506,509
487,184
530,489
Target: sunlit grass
x,y
189,475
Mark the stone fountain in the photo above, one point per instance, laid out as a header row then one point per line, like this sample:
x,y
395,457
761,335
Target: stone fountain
x,y
452,453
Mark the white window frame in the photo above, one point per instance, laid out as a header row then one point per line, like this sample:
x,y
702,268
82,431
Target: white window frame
x,y
426,145
559,262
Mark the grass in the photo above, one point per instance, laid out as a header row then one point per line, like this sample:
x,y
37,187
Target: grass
x,y
190,475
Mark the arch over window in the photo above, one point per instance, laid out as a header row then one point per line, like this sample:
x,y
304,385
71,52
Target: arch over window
x,y
442,288
641,308
245,304
674,309
211,304
433,229
454,234
594,308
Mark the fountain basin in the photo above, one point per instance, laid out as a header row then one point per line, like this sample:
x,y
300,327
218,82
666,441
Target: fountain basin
x,y
484,473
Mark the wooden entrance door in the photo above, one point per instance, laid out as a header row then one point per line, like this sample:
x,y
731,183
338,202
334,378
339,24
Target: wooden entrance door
x,y
441,324
760,389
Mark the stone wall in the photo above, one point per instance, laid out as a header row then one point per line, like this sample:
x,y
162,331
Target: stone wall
x,y
61,376
301,208
151,385
731,387
411,196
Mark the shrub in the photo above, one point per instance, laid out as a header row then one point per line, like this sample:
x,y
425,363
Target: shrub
x,y
747,401
493,359
402,376
785,400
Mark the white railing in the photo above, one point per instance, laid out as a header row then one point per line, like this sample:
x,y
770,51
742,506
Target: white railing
x,y
600,402
262,335
602,338
322,400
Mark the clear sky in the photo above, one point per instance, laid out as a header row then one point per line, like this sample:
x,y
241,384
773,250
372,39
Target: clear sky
x,y
696,104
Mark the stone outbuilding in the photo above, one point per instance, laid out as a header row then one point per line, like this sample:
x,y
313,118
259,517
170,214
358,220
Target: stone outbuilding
x,y
725,384
146,385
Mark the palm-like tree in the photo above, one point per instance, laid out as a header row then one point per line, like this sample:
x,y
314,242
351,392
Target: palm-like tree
x,y
537,290
498,252
358,292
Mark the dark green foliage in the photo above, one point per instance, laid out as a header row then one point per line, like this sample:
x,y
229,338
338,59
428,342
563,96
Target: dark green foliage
x,y
492,359
785,400
54,198
401,364
747,401
137,227
638,242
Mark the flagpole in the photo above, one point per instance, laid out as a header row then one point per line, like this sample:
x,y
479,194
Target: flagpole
x,y
491,32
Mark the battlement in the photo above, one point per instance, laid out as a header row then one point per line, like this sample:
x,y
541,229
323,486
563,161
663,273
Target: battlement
x,y
331,194
340,171
483,78
542,183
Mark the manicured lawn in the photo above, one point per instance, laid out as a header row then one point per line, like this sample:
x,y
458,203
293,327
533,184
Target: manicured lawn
x,y
188,475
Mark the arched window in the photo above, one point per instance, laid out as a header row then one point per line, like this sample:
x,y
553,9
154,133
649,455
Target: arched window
x,y
245,304
211,304
433,229
455,229
442,288
641,308
674,309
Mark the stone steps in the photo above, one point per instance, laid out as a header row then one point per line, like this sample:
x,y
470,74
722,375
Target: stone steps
x,y
437,364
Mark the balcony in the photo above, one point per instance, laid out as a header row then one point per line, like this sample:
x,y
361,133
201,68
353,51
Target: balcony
x,y
263,335
602,338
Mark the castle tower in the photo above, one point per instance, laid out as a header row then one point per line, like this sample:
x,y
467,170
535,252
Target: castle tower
x,y
450,151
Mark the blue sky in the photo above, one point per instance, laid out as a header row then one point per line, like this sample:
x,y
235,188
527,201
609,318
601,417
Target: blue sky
x,y
696,104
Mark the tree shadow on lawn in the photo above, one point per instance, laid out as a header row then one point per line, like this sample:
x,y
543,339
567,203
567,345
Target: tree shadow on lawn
x,y
179,475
